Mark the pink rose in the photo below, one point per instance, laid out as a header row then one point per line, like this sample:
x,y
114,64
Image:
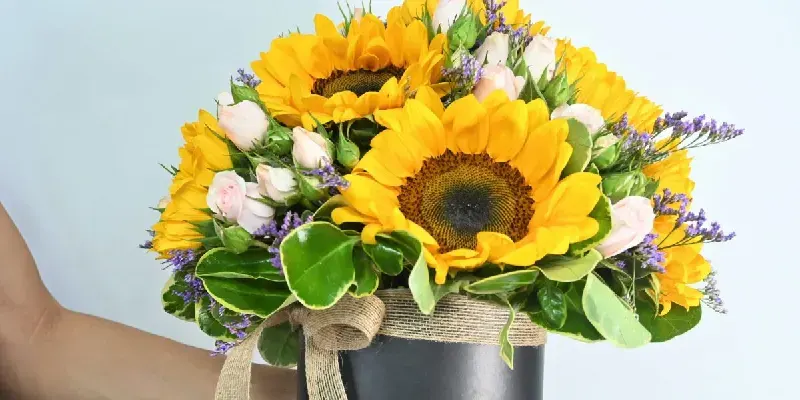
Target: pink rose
x,y
245,124
631,220
310,149
233,199
498,77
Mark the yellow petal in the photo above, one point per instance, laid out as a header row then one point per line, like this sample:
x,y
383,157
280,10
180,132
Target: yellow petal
x,y
364,191
462,121
415,39
498,245
508,126
538,114
378,170
343,215
431,99
426,127
369,233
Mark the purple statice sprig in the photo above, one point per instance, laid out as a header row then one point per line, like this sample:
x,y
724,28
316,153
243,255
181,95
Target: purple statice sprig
x,y
687,133
496,22
236,328
148,244
329,177
711,294
696,227
183,262
637,147
247,79
645,255
276,233
464,74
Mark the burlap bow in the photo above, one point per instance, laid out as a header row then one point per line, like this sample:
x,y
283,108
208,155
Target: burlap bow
x,y
352,324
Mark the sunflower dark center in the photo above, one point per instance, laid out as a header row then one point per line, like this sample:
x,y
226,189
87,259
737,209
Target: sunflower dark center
x,y
359,81
456,196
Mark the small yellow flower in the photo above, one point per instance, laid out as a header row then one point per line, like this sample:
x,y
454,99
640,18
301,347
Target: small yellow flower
x,y
474,182
338,78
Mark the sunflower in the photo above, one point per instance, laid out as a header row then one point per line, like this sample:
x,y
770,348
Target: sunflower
x,y
514,16
330,77
475,182
203,154
684,265
604,89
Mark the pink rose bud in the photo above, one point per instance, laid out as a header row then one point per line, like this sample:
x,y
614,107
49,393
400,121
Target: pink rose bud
x,y
255,214
234,200
631,220
276,183
540,56
244,124
585,114
494,50
446,12
498,77
310,149
224,99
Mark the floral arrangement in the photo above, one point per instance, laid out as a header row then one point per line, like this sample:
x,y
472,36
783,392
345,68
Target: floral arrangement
x,y
450,147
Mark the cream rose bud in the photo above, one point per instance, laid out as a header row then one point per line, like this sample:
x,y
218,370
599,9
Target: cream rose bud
x,y
255,214
224,99
498,77
358,14
310,150
494,50
164,202
226,195
446,12
540,55
631,220
584,113
276,183
244,124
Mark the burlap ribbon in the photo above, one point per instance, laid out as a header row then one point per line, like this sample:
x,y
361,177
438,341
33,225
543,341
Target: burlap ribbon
x,y
352,324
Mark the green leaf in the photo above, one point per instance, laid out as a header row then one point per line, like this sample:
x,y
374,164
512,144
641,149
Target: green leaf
x,y
506,348
675,323
602,214
419,281
566,269
236,239
388,259
253,264
205,228
576,326
581,142
208,324
503,283
279,345
325,210
242,93
248,296
451,286
366,282
318,264
554,305
172,302
530,91
613,319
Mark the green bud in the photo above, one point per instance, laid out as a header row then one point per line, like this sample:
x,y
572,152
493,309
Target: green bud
x,y
557,91
242,93
309,188
620,185
347,153
606,151
236,239
279,139
464,31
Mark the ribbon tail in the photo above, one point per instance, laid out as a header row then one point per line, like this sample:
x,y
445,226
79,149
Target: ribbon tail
x,y
234,380
323,378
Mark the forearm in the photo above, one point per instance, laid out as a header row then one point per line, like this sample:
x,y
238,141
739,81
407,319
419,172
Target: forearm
x,y
75,356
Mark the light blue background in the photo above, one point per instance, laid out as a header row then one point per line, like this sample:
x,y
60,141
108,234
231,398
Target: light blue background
x,y
94,93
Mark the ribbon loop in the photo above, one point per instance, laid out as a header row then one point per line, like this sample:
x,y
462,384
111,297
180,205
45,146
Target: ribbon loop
x,y
351,324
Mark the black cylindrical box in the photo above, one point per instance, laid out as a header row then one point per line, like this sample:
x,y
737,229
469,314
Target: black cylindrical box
x,y
401,369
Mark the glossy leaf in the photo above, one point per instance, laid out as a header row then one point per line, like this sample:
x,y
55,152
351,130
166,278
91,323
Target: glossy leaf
x,y
253,264
602,214
554,305
451,286
318,264
581,142
613,319
208,324
419,281
325,210
279,345
568,269
172,302
388,259
503,283
248,296
506,348
367,280
675,323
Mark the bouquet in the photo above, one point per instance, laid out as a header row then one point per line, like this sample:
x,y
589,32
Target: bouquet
x,y
450,147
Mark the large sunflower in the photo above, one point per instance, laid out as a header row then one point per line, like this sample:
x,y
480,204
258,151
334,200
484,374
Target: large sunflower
x,y
604,89
514,16
331,77
203,154
684,266
475,182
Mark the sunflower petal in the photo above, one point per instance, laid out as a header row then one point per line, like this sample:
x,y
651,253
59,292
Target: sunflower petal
x,y
509,125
